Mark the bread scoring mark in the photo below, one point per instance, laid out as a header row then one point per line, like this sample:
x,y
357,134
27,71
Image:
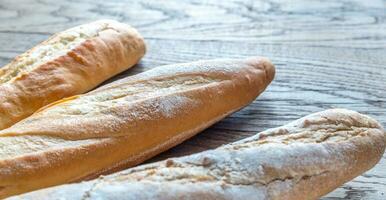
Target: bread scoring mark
x,y
227,166
99,103
11,147
263,166
101,183
183,172
104,100
56,46
306,136
335,125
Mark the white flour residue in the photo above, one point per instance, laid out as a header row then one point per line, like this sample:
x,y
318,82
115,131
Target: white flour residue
x,y
56,46
224,66
170,105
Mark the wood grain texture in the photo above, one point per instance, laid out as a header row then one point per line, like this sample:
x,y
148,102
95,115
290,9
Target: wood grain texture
x,y
328,54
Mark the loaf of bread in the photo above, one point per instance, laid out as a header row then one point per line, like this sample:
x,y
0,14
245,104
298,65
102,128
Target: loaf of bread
x,y
69,63
126,122
304,159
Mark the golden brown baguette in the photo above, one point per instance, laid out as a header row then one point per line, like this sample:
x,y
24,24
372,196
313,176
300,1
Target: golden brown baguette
x,y
301,160
124,123
69,63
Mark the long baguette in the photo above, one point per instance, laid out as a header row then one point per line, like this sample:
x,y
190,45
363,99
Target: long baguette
x,y
69,63
304,159
123,123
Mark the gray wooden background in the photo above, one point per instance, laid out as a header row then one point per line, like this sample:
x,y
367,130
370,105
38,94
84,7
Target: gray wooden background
x,y
328,54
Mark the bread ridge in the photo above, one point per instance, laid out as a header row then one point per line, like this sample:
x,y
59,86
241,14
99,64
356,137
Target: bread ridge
x,y
125,122
304,159
27,83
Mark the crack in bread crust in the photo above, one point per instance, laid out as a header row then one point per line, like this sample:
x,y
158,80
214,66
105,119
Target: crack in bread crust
x,y
98,104
307,136
127,93
56,46
285,165
206,169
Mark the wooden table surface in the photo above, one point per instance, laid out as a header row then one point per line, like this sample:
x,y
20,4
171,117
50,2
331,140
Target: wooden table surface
x,y
327,54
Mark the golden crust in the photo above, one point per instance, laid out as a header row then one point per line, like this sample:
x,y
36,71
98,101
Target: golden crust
x,y
75,71
124,123
304,159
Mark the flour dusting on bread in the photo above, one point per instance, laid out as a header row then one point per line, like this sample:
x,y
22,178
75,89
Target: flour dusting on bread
x,y
290,161
125,122
52,48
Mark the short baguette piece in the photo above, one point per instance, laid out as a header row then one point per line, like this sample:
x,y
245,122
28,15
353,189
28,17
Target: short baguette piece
x,y
69,63
126,122
304,159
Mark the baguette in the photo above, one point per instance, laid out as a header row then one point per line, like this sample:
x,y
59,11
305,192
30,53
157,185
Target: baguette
x,y
304,159
126,122
69,63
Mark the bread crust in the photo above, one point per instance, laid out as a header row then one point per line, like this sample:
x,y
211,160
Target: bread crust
x,y
114,48
304,159
123,123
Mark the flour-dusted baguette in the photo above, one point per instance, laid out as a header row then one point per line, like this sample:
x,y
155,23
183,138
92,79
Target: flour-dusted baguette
x,y
69,63
304,159
123,123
